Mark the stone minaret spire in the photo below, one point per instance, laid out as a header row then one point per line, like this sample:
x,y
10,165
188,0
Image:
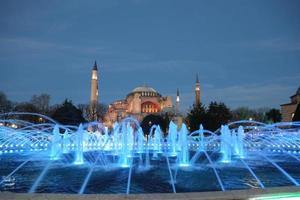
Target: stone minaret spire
x,y
177,101
197,91
94,93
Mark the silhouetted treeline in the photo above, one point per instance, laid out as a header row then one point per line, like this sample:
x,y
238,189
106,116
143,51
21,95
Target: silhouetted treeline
x,y
64,113
211,117
217,114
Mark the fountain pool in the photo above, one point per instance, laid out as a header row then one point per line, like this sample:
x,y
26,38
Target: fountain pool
x,y
91,158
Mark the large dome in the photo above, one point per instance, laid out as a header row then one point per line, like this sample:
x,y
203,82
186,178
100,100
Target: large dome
x,y
144,89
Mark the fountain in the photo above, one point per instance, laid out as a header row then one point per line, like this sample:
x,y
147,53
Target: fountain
x,y
55,158
201,138
55,145
172,139
226,144
183,143
79,146
125,145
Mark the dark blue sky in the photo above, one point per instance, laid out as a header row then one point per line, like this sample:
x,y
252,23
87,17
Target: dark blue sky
x,y
247,53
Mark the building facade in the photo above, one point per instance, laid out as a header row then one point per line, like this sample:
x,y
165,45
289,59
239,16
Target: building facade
x,y
140,102
288,109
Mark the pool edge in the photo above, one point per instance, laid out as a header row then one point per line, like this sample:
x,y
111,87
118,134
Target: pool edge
x,y
269,193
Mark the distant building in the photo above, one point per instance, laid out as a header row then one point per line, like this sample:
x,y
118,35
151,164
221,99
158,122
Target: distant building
x,y
140,102
288,109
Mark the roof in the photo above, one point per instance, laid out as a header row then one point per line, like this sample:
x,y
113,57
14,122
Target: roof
x,y
143,89
297,93
288,104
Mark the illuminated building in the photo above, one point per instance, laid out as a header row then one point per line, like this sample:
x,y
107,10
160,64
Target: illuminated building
x,y
140,102
288,109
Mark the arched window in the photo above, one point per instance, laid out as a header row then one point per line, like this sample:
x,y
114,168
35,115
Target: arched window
x,y
150,107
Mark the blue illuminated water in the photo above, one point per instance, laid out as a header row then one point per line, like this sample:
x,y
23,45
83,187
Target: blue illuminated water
x,y
91,158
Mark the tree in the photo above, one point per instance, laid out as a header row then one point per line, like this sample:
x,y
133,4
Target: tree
x,y
242,113
217,114
167,117
5,104
151,120
260,114
68,114
245,113
101,110
29,108
274,115
297,113
196,116
42,102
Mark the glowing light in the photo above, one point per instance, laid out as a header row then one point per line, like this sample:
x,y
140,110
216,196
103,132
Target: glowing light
x,y
184,165
292,195
125,165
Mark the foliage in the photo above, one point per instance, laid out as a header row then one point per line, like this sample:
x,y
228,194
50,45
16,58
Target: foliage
x,y
67,113
5,104
217,114
274,115
167,116
151,120
27,107
196,116
245,113
42,102
101,110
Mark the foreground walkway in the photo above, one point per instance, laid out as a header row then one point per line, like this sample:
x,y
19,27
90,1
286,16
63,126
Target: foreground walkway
x,y
259,194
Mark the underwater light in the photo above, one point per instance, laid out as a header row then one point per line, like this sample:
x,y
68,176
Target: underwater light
x,y
125,165
184,165
78,163
225,161
291,195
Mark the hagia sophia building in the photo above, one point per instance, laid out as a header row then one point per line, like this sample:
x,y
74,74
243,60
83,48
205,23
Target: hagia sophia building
x,y
138,103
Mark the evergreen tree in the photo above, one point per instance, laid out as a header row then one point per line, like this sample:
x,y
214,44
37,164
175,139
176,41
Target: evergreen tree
x,y
68,114
217,114
196,116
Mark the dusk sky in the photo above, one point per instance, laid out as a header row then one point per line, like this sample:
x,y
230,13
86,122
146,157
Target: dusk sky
x,y
246,53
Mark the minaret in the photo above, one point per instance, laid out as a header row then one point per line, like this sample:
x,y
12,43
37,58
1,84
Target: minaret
x,y
197,92
177,101
94,93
